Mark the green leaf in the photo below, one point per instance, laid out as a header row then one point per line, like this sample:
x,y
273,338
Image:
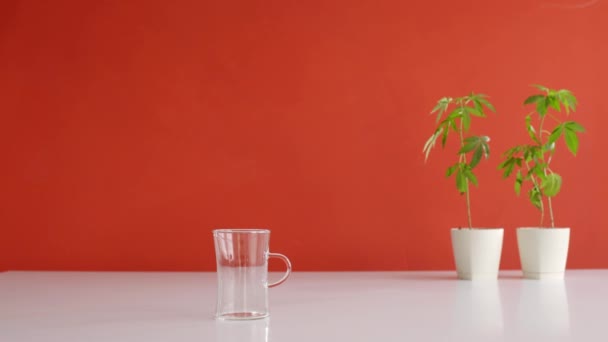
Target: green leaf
x,y
475,111
531,130
550,146
451,170
574,126
518,181
532,153
468,147
540,87
478,105
486,103
539,171
567,99
535,170
476,156
571,141
466,121
551,184
541,107
566,104
553,102
471,177
441,107
508,166
513,151
430,143
535,197
527,154
452,124
505,162
572,101
456,113
444,137
461,182
486,149
530,173
557,132
534,99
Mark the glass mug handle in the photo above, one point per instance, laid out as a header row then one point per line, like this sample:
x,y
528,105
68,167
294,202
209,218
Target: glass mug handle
x,y
287,263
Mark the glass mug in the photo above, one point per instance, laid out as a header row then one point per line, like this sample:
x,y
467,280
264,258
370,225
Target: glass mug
x,y
242,273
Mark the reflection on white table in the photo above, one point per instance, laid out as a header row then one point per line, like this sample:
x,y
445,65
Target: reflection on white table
x,y
340,306
543,310
477,308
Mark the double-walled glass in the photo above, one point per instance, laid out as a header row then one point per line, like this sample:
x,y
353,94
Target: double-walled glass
x,y
242,272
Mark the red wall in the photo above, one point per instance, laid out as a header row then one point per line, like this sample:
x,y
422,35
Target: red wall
x,y
130,129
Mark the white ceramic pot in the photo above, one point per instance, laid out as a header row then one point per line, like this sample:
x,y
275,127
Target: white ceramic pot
x,y
477,252
543,251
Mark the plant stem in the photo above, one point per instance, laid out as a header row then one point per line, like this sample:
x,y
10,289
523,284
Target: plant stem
x,y
542,210
549,198
536,185
469,206
463,159
540,137
551,212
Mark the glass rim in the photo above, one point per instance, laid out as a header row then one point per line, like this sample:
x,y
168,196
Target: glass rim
x,y
242,230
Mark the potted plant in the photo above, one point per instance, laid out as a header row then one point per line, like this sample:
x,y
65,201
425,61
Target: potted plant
x,y
543,251
476,251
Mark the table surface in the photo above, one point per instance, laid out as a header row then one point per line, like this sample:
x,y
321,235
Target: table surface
x,y
315,306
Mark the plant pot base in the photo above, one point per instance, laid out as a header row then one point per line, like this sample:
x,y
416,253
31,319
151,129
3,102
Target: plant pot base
x,y
477,252
543,275
543,252
478,276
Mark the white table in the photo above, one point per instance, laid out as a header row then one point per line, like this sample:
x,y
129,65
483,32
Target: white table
x,y
349,306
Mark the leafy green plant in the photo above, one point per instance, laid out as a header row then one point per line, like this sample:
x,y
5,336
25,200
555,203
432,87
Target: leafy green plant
x,y
533,161
459,121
